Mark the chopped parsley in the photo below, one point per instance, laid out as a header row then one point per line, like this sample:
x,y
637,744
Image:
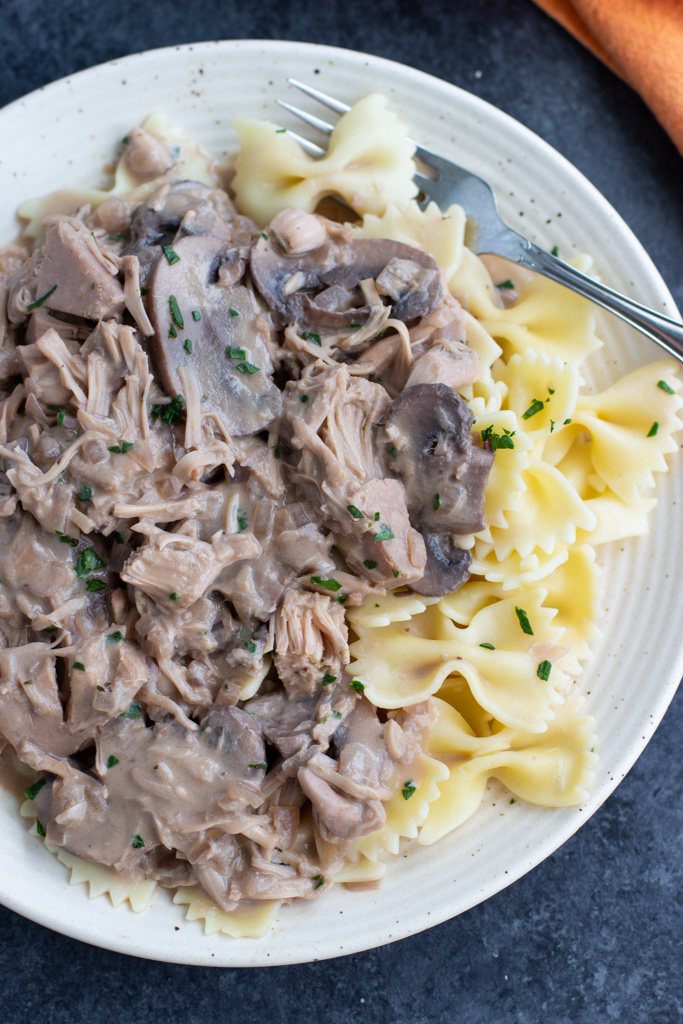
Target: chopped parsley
x,y
356,685
172,333
233,312
396,573
653,429
524,621
507,283
376,517
264,235
124,447
116,637
355,512
276,451
66,540
233,352
392,451
489,647
88,561
84,493
261,765
384,533
94,586
494,441
554,251
247,368
187,345
320,879
40,830
101,688
312,336
543,670
79,665
175,312
437,501
61,413
118,537
134,711
336,714
328,678
137,843
303,399
369,564
343,598
250,645
408,789
660,384
242,520
112,760
171,412
173,596
196,315
38,302
170,254
31,792
568,420
326,583
535,407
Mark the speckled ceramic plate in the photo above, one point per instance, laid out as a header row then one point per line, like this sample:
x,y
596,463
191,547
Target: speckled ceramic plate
x,y
63,135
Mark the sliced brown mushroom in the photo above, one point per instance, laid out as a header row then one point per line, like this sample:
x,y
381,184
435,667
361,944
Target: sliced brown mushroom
x,y
319,288
429,446
216,331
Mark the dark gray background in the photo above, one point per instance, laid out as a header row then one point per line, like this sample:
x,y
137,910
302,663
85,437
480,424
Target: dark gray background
x,y
594,933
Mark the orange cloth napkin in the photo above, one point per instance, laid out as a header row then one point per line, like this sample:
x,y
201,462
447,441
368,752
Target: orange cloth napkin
x,y
641,40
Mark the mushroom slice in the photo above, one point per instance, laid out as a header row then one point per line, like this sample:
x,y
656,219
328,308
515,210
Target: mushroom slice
x,y
409,277
216,331
448,566
429,446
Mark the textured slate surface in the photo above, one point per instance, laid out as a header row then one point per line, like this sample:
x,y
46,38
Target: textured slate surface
x,y
593,934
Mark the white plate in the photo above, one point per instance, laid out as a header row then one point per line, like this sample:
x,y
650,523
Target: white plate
x,y
62,136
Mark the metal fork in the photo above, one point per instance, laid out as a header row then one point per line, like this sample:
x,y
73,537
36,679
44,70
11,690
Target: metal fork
x,y
487,232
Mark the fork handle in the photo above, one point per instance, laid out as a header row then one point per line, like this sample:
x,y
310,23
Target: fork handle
x,y
661,329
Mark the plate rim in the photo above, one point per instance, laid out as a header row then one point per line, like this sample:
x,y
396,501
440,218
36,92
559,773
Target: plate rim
x,y
665,692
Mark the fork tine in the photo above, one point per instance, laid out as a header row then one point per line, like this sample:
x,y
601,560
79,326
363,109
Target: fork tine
x,y
321,97
310,119
310,147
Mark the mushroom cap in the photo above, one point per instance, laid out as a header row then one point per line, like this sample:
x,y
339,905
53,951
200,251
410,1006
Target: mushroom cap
x,y
237,386
344,265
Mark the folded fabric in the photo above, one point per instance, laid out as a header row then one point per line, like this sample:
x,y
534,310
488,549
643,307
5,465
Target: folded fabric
x,y
641,40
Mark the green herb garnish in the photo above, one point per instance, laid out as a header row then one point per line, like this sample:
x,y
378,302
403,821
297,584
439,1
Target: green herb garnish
x,y
535,407
653,429
312,336
392,451
336,714
328,678
247,368
489,647
118,537
320,879
61,413
242,520
250,645
175,312
40,830
495,441
660,384
196,315
38,302
88,561
138,842
174,597
384,533
187,345
543,670
437,501
233,352
31,792
554,251
355,512
79,665
356,685
233,312
303,399
408,789
112,760
507,283
94,586
524,621
134,711
369,564
170,254
260,764
395,573
85,493
326,583
115,638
